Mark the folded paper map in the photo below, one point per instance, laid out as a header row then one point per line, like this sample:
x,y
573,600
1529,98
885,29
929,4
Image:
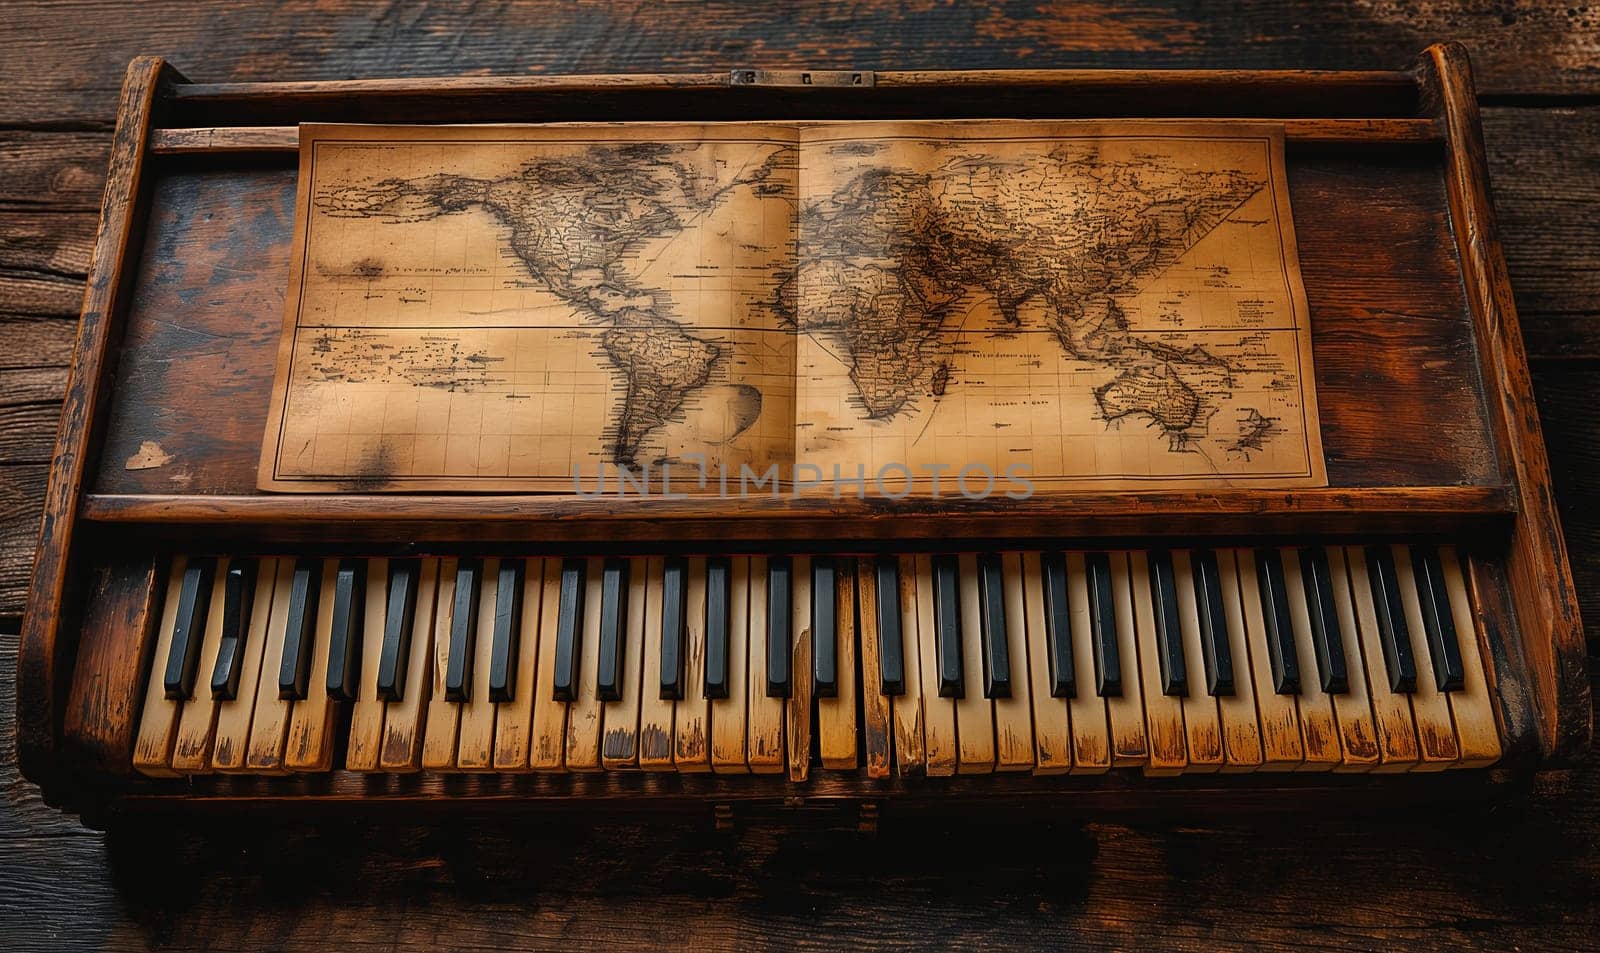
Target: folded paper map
x,y
1082,305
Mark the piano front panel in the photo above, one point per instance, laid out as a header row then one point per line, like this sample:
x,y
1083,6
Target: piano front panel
x,y
1347,658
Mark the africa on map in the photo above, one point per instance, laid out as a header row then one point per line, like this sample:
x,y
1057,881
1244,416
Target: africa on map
x,y
1105,305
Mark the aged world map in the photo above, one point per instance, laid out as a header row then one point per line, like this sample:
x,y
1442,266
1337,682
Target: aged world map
x,y
501,308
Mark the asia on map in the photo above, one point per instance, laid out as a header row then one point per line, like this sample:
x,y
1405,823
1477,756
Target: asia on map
x,y
1096,305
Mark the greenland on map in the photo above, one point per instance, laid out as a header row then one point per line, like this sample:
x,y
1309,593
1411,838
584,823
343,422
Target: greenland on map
x,y
501,309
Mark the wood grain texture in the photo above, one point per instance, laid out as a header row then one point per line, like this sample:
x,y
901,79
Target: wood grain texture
x,y
39,671
1522,876
75,53
1542,579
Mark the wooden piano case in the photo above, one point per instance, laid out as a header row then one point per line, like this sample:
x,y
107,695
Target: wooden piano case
x,y
1428,416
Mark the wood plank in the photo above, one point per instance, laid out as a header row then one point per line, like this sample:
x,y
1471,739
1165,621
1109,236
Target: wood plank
x,y
255,140
27,432
1534,50
56,171
34,340
21,503
552,517
115,651
1538,165
1541,584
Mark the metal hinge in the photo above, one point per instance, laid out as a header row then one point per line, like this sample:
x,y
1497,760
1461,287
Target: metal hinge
x,y
797,77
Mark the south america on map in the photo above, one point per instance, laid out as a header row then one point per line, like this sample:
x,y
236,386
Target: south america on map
x,y
1095,305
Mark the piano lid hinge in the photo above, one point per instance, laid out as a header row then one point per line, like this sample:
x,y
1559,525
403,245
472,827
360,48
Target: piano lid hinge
x,y
797,77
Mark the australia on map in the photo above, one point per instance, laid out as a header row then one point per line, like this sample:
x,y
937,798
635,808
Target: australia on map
x,y
509,308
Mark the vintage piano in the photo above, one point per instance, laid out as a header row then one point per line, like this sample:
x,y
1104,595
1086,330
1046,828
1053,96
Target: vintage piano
x,y
1408,631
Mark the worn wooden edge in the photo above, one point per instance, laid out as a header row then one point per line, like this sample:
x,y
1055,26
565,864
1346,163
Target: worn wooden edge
x,y
1537,567
286,139
39,668
634,792
117,638
1398,81
1328,509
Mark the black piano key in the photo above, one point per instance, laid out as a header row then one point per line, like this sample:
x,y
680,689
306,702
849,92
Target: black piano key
x,y
507,631
1214,646
947,624
613,617
891,658
1103,625
305,593
569,627
1393,633
399,615
1280,630
344,639
674,595
779,595
1443,646
992,610
194,601
824,629
717,583
463,631
1058,625
1327,639
1169,637
238,594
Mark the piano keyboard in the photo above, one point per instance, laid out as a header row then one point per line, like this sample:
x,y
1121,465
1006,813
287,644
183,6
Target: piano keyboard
x,y
1359,658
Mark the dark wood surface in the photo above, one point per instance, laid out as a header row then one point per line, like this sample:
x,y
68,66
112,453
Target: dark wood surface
x,y
1525,874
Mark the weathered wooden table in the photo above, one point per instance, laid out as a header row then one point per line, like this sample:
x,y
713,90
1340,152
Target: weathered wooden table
x,y
1526,875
